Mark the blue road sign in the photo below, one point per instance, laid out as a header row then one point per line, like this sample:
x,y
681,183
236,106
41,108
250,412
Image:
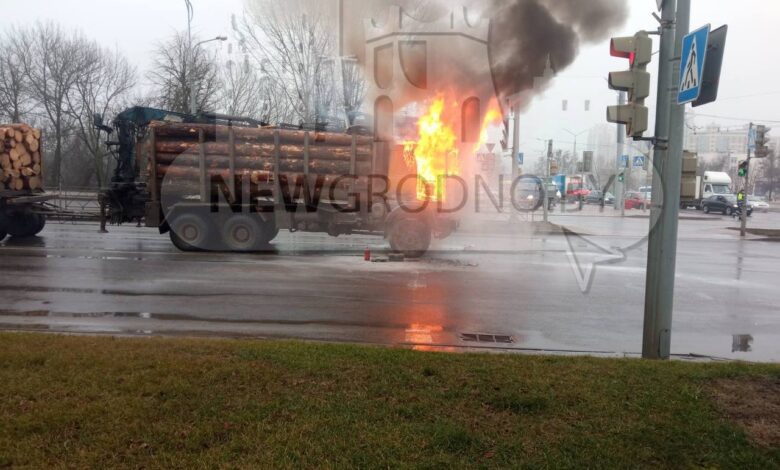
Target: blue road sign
x,y
520,157
624,161
694,51
639,161
752,138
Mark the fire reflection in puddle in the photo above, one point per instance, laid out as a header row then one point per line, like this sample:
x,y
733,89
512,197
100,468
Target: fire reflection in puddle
x,y
421,334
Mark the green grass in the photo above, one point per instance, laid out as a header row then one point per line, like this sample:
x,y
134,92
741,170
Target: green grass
x,y
105,402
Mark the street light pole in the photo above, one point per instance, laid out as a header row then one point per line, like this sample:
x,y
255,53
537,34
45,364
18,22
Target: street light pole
x,y
575,135
188,56
193,106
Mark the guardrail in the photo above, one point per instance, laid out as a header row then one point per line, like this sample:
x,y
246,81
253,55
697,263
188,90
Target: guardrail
x,y
73,205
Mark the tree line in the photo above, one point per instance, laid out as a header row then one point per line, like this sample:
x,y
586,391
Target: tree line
x,y
280,70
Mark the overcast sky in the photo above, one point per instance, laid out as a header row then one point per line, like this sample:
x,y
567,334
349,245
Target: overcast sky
x,y
749,87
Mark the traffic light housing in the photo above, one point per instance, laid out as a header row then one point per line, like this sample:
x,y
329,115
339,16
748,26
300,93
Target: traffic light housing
x,y
762,150
638,49
742,170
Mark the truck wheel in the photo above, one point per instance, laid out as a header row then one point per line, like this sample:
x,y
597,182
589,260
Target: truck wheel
x,y
39,224
3,230
268,231
192,232
241,233
24,225
410,236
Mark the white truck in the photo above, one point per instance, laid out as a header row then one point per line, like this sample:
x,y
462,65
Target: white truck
x,y
712,182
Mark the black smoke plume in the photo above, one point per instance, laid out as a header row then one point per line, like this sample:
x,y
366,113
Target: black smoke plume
x,y
525,33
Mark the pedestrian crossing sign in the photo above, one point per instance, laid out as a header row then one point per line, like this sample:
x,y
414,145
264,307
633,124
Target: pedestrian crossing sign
x,y
694,51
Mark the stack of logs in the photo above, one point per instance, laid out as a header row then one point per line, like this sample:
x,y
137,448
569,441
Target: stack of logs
x,y
20,157
178,149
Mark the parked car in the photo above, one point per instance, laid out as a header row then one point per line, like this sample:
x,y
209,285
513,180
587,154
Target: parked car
x,y
637,200
758,203
726,204
597,197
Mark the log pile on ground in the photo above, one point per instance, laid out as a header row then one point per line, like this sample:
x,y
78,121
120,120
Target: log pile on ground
x,y
177,153
20,157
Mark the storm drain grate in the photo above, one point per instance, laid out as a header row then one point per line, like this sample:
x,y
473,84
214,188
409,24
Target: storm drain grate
x,y
484,338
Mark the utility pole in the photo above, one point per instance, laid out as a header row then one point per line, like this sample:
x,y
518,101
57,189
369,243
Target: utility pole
x,y
662,244
620,187
189,80
744,202
549,157
515,148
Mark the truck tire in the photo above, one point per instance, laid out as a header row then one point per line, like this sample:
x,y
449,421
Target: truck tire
x,y
242,233
3,229
410,236
40,224
192,232
268,232
25,224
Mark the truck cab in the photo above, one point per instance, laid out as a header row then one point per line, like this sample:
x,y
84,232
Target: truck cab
x,y
715,182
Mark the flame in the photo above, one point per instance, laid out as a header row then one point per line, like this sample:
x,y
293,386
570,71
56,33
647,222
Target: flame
x,y
434,154
493,116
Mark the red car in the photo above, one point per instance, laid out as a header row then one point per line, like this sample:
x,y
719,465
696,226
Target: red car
x,y
637,200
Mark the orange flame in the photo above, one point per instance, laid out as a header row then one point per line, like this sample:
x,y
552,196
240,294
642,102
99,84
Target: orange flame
x,y
493,116
435,153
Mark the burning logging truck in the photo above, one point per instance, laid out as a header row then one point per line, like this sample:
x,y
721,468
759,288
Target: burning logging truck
x,y
223,183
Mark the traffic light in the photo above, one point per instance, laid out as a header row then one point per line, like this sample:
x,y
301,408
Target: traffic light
x,y
621,177
743,169
638,49
761,141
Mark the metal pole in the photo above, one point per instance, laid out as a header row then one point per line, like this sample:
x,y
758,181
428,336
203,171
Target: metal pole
x,y
662,244
620,187
340,15
574,149
549,157
188,77
515,147
743,209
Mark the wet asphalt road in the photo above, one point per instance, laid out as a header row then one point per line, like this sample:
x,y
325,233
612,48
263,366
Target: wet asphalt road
x,y
486,280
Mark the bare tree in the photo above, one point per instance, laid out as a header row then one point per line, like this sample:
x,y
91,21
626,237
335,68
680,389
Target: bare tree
x,y
293,42
14,92
241,90
176,73
100,90
354,88
53,61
